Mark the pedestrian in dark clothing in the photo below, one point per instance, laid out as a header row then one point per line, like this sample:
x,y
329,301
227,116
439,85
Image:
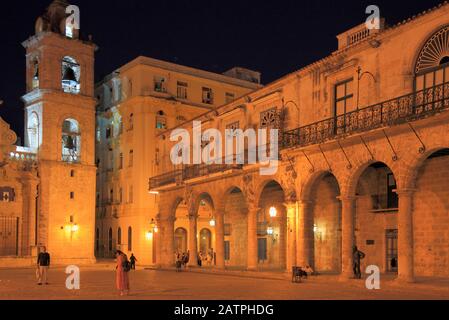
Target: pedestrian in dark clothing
x,y
132,261
357,256
186,259
43,263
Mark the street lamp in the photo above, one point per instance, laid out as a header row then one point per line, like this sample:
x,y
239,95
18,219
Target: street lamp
x,y
285,104
153,229
359,78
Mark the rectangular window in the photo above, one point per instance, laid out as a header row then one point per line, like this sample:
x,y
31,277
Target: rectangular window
x,y
208,96
344,98
182,90
229,97
392,250
227,230
159,84
392,196
227,250
120,198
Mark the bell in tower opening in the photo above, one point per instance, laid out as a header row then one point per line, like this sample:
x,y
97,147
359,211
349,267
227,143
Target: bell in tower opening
x,y
70,75
71,141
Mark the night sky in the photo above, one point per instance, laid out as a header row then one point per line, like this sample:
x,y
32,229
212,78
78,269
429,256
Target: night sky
x,y
273,37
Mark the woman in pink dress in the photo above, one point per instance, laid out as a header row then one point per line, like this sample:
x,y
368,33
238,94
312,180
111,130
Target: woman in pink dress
x,y
122,279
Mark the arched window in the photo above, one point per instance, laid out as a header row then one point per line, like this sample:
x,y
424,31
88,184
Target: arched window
x,y
432,66
119,236
33,131
71,141
161,120
130,239
71,72
35,80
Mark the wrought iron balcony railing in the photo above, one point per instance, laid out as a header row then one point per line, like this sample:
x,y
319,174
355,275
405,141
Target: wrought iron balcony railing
x,y
404,109
189,172
408,108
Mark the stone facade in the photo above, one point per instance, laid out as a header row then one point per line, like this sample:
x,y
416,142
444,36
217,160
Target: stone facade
x,y
55,201
361,167
136,103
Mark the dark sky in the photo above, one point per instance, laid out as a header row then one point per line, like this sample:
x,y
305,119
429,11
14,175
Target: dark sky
x,y
274,37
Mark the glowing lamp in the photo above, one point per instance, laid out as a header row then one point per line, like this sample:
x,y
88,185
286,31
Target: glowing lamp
x,y
156,229
273,212
270,231
75,228
149,235
315,228
212,222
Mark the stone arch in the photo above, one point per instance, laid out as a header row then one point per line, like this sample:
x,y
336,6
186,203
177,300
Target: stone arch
x,y
262,185
410,173
311,180
351,181
430,215
323,215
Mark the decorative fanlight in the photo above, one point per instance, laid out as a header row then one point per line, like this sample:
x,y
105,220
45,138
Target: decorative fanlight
x,y
435,51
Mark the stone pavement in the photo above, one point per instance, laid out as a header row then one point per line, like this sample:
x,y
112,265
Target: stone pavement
x,y
98,283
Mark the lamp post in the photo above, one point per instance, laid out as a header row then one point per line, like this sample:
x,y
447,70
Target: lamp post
x,y
360,75
285,104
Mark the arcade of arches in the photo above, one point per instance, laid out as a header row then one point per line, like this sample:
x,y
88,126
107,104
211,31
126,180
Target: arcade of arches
x,y
401,229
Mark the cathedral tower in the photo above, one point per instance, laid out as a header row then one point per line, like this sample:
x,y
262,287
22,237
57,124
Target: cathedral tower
x,y
60,127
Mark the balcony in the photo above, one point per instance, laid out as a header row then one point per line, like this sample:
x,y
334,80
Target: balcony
x,y
190,172
404,109
408,108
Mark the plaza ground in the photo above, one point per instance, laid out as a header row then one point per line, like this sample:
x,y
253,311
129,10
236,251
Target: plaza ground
x,y
98,283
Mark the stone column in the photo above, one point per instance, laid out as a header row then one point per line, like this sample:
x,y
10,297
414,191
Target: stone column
x,y
219,238
193,239
405,236
167,242
305,242
252,239
291,234
348,235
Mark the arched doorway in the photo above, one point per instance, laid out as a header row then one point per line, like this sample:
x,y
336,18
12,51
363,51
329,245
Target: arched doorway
x,y
327,226
376,220
205,241
271,227
206,226
236,229
181,240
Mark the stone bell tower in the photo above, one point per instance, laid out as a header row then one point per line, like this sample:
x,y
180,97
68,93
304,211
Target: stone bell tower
x,y
60,127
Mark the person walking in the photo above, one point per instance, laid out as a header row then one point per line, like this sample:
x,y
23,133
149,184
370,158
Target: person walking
x,y
357,257
122,269
133,261
43,263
